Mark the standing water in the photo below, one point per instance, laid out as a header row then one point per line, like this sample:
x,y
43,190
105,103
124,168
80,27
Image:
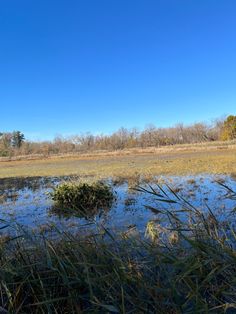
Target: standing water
x,y
27,202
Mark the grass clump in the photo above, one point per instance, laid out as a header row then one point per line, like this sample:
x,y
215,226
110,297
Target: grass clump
x,y
82,197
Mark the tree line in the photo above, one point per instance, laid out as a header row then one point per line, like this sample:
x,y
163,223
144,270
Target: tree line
x,y
14,143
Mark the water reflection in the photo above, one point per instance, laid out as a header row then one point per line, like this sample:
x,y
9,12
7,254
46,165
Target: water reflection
x,y
26,202
88,213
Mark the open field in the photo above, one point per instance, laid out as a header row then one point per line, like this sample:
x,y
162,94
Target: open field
x,y
178,160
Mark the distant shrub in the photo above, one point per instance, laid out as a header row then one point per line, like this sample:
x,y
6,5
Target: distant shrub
x,y
82,197
228,131
4,153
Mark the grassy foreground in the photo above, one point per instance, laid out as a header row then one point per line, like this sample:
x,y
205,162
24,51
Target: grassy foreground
x,y
183,266
170,162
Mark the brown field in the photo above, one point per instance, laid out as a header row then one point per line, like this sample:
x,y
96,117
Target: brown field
x,y
174,160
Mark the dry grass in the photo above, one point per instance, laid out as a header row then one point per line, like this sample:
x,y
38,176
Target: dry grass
x,y
205,146
178,161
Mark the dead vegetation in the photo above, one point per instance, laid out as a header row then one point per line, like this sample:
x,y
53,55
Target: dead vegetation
x,y
132,163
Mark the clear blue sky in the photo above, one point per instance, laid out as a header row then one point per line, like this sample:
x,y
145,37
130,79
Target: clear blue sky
x,y
73,66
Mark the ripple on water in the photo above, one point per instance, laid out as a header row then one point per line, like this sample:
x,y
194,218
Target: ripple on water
x,y
26,202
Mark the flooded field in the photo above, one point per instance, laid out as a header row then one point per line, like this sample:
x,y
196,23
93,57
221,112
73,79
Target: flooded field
x,y
27,202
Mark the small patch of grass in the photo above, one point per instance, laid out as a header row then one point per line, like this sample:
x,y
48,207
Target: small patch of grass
x,y
130,201
82,198
191,181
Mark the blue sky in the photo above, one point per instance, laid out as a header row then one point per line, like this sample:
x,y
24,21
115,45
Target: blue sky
x,y
95,65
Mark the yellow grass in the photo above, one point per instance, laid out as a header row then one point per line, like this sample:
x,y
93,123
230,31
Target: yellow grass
x,y
188,160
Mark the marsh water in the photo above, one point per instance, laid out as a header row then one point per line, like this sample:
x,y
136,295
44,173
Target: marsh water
x,y
27,203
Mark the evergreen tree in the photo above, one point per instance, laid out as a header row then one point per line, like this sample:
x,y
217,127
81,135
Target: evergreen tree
x,y
17,139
